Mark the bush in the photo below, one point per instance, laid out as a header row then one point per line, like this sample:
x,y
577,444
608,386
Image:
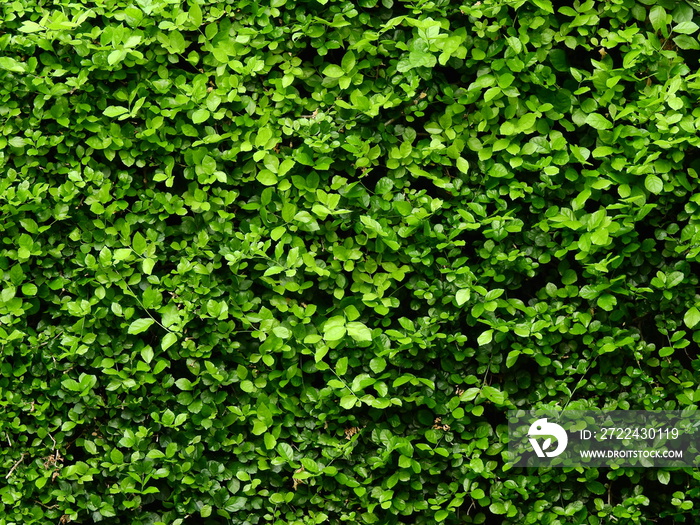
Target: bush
x,y
292,262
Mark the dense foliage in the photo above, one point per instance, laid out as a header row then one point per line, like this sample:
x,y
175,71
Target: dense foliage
x,y
292,261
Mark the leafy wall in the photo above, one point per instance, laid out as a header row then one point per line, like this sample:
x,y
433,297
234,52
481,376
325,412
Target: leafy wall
x,y
292,262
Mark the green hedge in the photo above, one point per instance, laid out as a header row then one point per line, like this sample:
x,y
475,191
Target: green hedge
x,y
292,262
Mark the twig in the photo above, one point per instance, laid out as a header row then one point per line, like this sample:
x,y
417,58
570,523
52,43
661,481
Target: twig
x,y
55,506
14,467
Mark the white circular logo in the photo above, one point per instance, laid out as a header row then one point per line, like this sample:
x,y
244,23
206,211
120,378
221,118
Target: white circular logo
x,y
542,428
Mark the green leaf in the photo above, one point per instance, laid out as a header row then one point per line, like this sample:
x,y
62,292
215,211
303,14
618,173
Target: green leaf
x,y
462,165
30,27
263,137
139,244
320,353
663,476
512,358
168,417
30,225
596,487
334,333
348,402
285,166
377,365
333,71
140,325
545,5
569,277
462,296
508,128
674,279
177,42
478,494
359,332
259,427
485,338
653,183
494,395
469,394
87,381
122,254
147,354
282,332
114,111
491,93
686,28
116,56
602,152
278,232
686,42
600,237
116,456
666,351
29,289
148,265
334,329
10,64
505,79
419,56
285,451
270,441
341,366
607,302
184,384
267,178
691,317
348,62
597,121
526,122
200,115
71,384
195,14
90,446
657,17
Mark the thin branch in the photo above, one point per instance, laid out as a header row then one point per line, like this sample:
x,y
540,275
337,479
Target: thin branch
x,y
14,467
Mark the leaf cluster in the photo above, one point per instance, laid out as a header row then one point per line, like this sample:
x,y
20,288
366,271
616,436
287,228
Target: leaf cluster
x,y
292,261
